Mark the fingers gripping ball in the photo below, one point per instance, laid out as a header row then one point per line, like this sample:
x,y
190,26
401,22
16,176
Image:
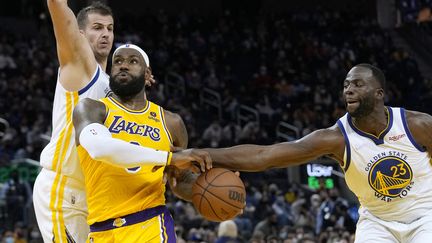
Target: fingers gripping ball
x,y
218,194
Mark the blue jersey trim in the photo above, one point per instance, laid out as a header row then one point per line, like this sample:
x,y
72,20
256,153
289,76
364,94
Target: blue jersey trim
x,y
347,145
408,132
377,140
88,86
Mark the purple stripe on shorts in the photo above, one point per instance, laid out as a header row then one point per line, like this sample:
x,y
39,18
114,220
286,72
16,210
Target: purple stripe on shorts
x,y
162,227
169,227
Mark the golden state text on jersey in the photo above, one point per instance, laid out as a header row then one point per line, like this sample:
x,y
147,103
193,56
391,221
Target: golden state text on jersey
x,y
390,175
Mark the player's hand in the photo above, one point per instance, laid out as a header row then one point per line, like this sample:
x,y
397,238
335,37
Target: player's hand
x,y
169,173
149,82
172,149
195,159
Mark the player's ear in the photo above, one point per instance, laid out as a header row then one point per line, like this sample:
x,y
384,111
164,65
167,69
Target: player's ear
x,y
148,77
380,93
147,73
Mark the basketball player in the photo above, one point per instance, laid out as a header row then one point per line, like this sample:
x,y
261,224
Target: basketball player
x,y
122,187
83,45
384,152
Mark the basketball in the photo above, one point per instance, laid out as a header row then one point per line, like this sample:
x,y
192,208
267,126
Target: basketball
x,y
218,194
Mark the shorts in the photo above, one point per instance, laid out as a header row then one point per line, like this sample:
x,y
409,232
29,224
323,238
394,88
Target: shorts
x,y
61,211
153,225
373,229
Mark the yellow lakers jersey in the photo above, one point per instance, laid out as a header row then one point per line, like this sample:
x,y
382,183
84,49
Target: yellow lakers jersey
x,y
112,191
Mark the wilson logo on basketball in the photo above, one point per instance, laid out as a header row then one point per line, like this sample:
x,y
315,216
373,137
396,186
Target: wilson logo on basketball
x,y
236,196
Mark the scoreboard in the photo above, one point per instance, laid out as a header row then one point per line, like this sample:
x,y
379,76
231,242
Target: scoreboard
x,y
317,175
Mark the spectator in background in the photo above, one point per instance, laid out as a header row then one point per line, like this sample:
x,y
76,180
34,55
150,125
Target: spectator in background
x,y
244,222
265,110
327,213
267,226
227,232
8,237
424,15
302,215
213,134
230,134
283,211
249,132
282,49
315,202
17,194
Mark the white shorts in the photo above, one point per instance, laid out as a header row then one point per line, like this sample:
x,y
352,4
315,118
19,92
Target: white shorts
x,y
373,229
60,207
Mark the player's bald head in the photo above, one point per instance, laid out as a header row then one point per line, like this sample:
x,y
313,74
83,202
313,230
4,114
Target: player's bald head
x,y
367,72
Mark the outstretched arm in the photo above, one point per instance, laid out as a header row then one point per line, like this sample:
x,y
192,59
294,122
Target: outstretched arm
x,y
76,58
254,158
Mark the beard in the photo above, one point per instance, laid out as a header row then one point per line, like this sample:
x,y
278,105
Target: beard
x,y
129,88
366,106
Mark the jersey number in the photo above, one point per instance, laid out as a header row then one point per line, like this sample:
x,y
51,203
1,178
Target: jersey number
x,y
398,170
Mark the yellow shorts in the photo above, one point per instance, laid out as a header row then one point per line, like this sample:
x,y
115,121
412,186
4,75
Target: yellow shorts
x,y
156,229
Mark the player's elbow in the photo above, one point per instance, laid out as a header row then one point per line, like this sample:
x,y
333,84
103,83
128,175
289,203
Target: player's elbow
x,y
54,2
96,154
53,5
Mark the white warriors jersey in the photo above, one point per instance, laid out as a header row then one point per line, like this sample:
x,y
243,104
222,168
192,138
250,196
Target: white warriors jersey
x,y
390,174
60,155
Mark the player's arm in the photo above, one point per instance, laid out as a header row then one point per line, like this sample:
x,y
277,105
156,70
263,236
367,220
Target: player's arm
x,y
252,158
183,179
74,53
88,118
420,126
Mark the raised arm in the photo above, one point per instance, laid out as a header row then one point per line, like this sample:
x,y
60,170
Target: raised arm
x,y
75,55
254,158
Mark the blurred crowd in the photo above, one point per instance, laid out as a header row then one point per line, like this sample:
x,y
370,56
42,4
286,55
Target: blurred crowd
x,y
274,213
414,10
285,68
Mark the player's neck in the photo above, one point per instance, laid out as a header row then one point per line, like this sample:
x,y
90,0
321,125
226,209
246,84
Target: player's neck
x,y
135,102
374,123
103,64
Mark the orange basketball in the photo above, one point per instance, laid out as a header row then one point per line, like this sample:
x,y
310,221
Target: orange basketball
x,y
218,194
